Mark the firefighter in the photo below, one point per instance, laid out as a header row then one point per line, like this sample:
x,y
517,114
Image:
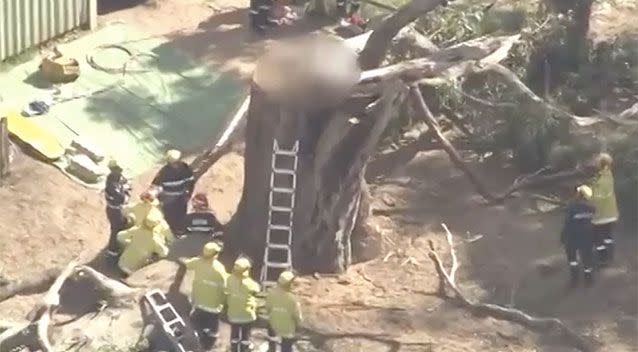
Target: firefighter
x,y
208,293
606,216
176,182
284,314
241,305
201,219
116,192
141,244
577,236
148,206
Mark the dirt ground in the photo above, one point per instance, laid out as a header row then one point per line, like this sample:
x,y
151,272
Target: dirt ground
x,y
383,305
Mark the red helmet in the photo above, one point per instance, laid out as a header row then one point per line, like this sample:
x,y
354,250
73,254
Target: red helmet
x,y
147,196
200,200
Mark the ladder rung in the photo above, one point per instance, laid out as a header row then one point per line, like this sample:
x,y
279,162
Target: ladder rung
x,y
283,171
278,265
280,209
279,227
287,152
283,190
176,320
278,246
164,307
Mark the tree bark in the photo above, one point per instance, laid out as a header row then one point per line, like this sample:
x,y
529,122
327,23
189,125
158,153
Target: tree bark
x,y
334,151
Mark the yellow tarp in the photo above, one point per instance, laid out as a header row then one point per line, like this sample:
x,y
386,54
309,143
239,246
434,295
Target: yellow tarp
x,y
34,135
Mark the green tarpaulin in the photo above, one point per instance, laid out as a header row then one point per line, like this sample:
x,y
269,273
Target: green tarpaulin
x,y
134,116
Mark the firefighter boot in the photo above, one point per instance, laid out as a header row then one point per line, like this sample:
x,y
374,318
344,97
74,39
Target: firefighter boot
x,y
574,276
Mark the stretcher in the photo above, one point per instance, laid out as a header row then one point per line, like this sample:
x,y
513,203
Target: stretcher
x,y
34,135
173,326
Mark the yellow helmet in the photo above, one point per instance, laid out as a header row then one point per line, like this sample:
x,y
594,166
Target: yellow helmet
x,y
584,191
285,279
173,155
113,164
604,160
242,265
211,249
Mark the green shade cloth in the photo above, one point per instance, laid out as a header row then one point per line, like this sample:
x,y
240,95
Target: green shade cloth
x,y
133,117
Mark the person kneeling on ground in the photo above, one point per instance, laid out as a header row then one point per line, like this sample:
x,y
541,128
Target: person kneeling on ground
x,y
208,293
577,236
149,206
201,219
604,199
242,305
141,244
284,314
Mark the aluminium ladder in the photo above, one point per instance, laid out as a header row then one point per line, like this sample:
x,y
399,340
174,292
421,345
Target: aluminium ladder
x,y
281,202
172,324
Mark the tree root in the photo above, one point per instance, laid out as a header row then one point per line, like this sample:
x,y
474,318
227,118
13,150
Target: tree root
x,y
541,324
116,293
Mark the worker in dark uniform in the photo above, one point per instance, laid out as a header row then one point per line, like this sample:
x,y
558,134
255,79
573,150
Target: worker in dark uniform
x,y
257,19
176,182
116,192
201,219
577,236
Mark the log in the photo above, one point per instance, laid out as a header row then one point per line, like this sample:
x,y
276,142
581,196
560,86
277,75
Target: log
x,y
541,324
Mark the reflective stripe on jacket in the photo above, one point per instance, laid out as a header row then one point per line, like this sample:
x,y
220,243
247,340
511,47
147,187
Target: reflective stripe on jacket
x,y
175,181
240,298
604,198
140,245
209,284
284,313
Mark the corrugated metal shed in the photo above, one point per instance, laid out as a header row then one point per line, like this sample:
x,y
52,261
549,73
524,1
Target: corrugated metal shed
x,y
27,23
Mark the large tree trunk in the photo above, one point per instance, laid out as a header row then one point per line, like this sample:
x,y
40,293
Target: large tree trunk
x,y
334,150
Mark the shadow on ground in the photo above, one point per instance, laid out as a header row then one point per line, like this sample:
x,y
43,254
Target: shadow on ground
x,y
503,266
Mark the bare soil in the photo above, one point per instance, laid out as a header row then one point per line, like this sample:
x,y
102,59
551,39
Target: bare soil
x,y
382,305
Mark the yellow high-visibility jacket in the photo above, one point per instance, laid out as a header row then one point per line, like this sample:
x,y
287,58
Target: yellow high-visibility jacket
x,y
240,298
209,284
142,210
604,198
284,313
140,244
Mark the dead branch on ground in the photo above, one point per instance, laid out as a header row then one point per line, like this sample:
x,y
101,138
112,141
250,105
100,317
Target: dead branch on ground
x,y
43,317
541,324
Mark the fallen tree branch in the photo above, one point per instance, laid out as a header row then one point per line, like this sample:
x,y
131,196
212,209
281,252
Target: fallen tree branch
x,y
544,325
421,106
450,242
446,63
514,82
51,302
380,40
